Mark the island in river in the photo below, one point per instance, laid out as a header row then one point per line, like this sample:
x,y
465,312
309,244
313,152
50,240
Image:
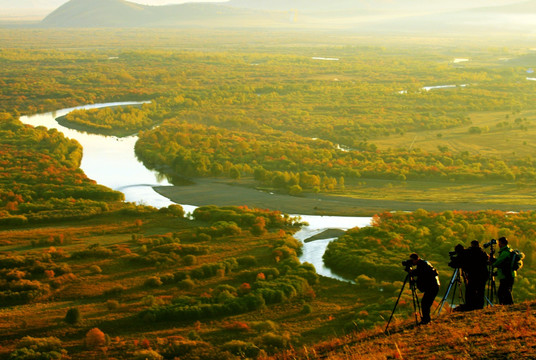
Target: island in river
x,y
222,192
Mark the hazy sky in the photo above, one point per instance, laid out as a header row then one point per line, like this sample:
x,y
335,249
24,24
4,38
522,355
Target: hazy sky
x,y
164,2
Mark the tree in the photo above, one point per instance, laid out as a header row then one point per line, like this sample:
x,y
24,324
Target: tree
x,y
73,316
295,190
95,338
234,173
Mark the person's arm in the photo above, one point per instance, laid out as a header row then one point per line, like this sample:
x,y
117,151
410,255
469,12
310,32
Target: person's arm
x,y
503,256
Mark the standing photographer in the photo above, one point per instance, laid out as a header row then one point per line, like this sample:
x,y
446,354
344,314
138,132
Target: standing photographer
x,y
504,273
475,266
427,282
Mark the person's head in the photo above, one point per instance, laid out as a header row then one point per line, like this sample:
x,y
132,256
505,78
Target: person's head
x,y
502,242
459,248
414,258
475,244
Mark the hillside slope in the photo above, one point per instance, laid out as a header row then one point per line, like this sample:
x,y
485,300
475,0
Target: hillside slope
x,y
499,332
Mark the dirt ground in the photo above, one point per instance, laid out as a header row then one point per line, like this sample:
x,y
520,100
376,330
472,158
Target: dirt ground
x,y
226,193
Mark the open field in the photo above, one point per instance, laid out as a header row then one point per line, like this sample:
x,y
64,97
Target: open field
x,y
504,134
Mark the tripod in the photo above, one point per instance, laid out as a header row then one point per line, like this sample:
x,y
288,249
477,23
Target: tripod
x,y
492,290
416,304
456,282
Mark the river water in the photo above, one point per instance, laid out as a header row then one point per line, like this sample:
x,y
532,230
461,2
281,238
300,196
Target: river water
x,y
111,161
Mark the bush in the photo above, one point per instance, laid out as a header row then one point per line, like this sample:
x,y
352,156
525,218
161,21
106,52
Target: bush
x,y
116,290
267,325
112,305
147,355
276,341
73,316
95,338
190,260
307,309
247,261
30,348
95,269
242,348
186,284
153,281
174,210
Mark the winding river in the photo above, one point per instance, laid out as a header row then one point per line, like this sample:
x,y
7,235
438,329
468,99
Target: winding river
x,y
111,161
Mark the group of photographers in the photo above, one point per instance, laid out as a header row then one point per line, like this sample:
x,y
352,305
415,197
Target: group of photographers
x,y
475,265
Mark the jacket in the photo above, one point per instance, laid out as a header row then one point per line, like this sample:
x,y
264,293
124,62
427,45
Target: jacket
x,y
427,276
504,263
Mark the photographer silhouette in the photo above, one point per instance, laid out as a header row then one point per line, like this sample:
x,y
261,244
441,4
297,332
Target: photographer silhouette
x,y
504,273
427,282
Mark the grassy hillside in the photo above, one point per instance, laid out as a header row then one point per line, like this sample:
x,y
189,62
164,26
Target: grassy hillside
x,y
498,332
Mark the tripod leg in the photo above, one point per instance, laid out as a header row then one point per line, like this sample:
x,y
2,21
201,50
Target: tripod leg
x,y
397,300
451,282
416,304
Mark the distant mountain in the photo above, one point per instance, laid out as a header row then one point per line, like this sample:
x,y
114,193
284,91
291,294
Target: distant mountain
x,y
120,13
357,15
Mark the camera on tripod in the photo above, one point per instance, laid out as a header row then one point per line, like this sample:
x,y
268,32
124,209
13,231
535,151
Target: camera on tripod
x,y
407,264
489,243
455,261
456,257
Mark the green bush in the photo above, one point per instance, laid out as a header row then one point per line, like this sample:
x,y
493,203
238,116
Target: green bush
x,y
30,348
147,355
307,309
242,349
189,260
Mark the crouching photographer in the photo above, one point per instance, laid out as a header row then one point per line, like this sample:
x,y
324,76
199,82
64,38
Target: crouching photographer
x,y
427,282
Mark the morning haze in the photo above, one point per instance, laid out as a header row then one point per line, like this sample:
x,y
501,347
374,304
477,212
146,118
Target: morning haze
x,y
247,179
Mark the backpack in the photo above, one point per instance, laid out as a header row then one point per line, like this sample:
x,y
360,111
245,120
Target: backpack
x,y
516,259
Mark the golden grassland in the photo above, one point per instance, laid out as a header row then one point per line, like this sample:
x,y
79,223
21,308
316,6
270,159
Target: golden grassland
x,y
501,136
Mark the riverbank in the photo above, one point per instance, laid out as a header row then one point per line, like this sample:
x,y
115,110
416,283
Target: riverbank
x,y
223,192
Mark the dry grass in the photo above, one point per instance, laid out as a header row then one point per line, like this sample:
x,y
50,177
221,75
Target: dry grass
x,y
499,332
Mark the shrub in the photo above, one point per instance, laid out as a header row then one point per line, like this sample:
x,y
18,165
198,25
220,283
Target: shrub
x,y
247,261
186,284
116,290
307,309
273,340
190,260
236,326
153,281
73,316
242,348
30,348
147,355
95,338
194,335
267,325
95,269
203,237
112,305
